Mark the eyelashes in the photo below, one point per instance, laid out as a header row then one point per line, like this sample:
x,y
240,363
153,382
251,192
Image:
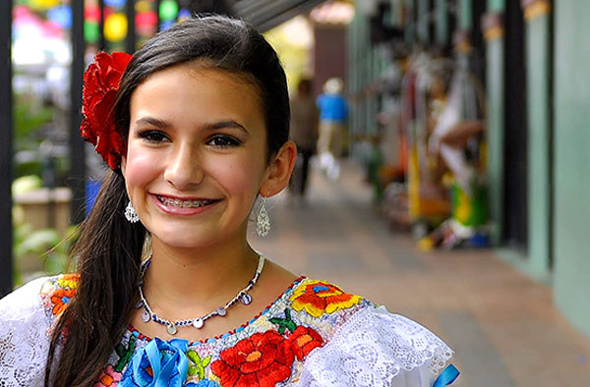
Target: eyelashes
x,y
217,140
153,136
223,141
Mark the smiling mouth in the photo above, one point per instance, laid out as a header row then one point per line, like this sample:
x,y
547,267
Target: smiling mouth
x,y
184,203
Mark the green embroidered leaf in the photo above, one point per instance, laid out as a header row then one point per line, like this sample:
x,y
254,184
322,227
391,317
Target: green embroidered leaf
x,y
206,361
193,356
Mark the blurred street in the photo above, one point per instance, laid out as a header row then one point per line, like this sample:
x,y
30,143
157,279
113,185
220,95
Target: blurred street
x,y
503,326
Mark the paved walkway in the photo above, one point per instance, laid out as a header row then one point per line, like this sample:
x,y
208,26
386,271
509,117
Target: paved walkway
x,y
503,326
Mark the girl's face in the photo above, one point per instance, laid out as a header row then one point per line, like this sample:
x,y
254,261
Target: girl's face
x,y
197,156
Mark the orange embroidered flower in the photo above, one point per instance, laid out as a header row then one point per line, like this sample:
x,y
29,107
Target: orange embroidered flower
x,y
108,377
303,340
60,299
261,360
318,297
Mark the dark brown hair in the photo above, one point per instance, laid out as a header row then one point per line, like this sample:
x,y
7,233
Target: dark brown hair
x,y
108,252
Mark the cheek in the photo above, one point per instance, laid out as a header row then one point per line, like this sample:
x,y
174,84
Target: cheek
x,y
240,177
140,169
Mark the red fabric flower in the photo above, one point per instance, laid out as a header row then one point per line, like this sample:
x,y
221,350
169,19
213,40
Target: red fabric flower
x,y
261,360
101,84
303,340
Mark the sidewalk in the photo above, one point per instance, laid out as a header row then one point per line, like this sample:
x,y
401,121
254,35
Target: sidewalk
x,y
503,326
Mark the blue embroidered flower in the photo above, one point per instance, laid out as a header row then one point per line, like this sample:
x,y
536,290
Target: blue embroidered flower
x,y
158,364
204,383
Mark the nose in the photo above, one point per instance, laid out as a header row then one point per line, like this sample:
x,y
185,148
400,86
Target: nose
x,y
184,170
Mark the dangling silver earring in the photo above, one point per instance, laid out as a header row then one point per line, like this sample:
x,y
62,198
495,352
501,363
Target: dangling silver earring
x,y
262,220
131,214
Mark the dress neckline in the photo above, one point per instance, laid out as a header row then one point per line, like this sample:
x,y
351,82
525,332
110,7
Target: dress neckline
x,y
131,329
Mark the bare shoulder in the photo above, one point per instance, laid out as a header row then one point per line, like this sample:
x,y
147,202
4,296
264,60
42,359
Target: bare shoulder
x,y
274,281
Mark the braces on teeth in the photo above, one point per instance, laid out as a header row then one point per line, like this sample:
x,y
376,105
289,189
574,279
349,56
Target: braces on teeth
x,y
184,203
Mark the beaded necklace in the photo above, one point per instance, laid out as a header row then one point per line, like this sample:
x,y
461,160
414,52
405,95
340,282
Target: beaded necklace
x,y
172,326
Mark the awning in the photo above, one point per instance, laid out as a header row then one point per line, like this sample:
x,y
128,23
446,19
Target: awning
x,y
266,14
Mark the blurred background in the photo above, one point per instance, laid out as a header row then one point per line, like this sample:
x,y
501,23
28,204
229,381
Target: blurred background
x,y
456,194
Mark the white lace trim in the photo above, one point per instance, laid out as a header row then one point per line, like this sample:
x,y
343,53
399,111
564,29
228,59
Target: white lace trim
x,y
23,337
376,348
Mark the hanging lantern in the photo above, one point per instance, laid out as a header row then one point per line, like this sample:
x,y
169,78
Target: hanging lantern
x,y
91,31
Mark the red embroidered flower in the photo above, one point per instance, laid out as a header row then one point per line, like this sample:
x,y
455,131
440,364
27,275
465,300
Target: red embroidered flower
x,y
101,83
60,299
303,340
261,360
318,297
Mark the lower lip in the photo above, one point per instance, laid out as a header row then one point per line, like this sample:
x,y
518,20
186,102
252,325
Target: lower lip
x,y
181,211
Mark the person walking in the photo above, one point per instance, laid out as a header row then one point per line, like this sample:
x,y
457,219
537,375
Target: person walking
x,y
304,131
333,115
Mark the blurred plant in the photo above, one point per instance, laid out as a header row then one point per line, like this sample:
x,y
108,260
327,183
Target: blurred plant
x,y
29,119
50,246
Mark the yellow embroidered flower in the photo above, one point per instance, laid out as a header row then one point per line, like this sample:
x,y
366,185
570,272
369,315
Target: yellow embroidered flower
x,y
318,297
68,281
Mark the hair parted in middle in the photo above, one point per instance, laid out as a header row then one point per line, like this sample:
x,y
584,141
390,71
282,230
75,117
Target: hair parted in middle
x,y
108,253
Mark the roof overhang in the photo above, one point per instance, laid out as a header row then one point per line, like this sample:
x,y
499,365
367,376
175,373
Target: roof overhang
x,y
267,14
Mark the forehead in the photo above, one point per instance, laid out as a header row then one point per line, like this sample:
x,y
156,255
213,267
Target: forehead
x,y
197,83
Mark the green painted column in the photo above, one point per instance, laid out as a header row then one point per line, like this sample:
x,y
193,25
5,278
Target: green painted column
x,y
442,22
465,14
495,127
423,20
571,275
538,60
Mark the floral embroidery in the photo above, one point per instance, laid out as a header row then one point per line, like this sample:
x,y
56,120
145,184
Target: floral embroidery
x,y
198,365
269,350
68,281
262,359
318,297
108,377
303,340
60,299
203,383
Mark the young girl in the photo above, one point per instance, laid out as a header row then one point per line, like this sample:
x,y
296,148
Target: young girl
x,y
168,291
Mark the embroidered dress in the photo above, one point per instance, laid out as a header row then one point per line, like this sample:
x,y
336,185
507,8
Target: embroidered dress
x,y
314,334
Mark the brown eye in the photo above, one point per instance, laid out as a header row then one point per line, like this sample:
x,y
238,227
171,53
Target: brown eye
x,y
153,136
223,141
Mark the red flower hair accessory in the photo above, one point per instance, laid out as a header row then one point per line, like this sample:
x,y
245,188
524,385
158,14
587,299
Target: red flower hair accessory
x,y
101,84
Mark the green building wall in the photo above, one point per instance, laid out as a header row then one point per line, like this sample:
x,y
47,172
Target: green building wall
x,y
572,162
538,67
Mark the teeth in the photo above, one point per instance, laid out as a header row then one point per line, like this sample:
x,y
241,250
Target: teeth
x,y
184,203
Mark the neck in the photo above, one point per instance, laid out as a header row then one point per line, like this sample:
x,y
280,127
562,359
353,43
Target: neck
x,y
197,281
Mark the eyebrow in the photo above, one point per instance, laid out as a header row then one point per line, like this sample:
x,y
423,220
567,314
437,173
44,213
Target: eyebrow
x,y
159,123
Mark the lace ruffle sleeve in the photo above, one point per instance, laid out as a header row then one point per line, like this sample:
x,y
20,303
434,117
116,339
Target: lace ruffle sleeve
x,y
377,348
24,339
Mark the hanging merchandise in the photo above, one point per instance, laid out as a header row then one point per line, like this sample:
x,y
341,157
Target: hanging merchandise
x,y
458,141
423,95
442,121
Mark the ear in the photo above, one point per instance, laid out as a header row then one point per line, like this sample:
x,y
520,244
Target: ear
x,y
279,170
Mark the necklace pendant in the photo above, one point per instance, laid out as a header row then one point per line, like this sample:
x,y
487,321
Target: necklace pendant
x,y
198,323
246,299
221,311
145,316
171,329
